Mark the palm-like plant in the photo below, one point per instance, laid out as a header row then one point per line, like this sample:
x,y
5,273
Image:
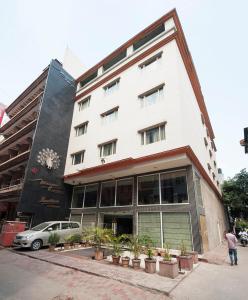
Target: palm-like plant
x,y
117,243
97,236
135,245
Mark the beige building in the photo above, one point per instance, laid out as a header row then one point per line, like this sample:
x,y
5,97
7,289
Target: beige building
x,y
141,155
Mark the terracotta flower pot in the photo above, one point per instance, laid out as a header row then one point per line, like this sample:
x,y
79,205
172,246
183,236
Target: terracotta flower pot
x,y
194,255
185,262
116,259
136,263
66,246
125,261
98,255
150,265
52,248
168,268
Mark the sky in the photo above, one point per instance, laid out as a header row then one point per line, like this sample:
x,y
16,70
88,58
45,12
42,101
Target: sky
x,y
34,32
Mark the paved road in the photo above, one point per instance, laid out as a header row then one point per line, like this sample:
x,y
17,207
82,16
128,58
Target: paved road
x,y
216,282
23,278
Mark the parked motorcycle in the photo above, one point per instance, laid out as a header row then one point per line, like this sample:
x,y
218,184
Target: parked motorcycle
x,y
243,238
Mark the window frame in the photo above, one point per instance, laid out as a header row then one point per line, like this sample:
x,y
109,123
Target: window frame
x,y
113,84
106,114
142,133
117,180
102,145
82,152
85,125
150,60
160,194
81,102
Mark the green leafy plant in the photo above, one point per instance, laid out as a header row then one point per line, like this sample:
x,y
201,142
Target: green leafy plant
x,y
67,239
135,244
53,239
183,248
167,255
117,243
97,236
76,238
150,253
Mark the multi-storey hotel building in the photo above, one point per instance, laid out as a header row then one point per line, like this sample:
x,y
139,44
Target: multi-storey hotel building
x,y
33,149
141,155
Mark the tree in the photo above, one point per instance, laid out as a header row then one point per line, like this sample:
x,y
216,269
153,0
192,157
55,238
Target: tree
x,y
235,192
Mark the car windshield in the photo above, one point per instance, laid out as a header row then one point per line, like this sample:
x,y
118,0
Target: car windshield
x,y
40,226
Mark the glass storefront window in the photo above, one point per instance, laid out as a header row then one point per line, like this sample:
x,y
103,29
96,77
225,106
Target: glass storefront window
x,y
78,197
173,188
90,195
148,189
124,193
108,193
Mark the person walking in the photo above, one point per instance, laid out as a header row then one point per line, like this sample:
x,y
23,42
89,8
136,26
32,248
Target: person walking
x,y
232,247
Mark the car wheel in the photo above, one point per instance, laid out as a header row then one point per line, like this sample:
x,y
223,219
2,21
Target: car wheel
x,y
36,245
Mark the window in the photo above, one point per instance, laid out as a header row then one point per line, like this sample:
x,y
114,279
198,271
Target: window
x,y
148,37
77,158
88,79
90,195
112,86
83,104
214,163
202,119
115,60
81,129
151,60
213,176
152,96
173,188
53,227
207,132
210,153
148,189
78,197
110,115
75,225
124,193
153,134
108,193
209,167
65,226
205,142
108,148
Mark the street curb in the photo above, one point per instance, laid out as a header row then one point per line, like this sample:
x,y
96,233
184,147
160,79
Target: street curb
x,y
154,290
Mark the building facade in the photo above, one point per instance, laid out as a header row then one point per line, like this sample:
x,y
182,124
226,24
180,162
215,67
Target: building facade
x,y
141,155
34,147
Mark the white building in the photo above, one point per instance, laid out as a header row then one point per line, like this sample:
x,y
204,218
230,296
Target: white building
x,y
141,154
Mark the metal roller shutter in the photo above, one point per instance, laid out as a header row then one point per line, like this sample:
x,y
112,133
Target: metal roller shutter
x,y
89,220
177,228
149,224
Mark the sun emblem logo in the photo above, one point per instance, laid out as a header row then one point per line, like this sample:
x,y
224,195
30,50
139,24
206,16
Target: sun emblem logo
x,y
48,158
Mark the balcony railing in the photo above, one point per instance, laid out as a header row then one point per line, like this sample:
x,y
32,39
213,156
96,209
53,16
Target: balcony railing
x,y
12,186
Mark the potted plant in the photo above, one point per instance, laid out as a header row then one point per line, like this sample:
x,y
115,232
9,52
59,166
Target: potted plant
x,y
67,242
150,262
53,240
167,266
185,260
98,236
125,261
116,242
194,256
135,246
76,239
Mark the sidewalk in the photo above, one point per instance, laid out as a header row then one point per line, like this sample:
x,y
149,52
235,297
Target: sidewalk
x,y
152,282
218,255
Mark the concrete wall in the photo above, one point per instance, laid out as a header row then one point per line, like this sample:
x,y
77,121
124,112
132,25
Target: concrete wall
x,y
215,215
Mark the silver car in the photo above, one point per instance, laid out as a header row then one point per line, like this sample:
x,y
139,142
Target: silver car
x,y
38,236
